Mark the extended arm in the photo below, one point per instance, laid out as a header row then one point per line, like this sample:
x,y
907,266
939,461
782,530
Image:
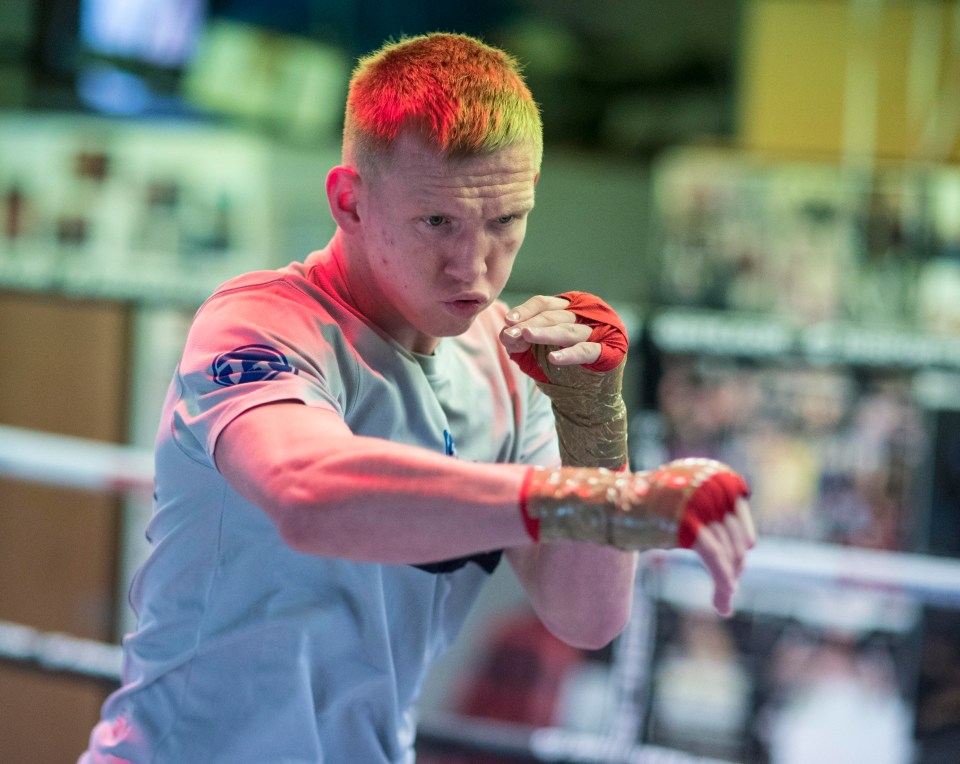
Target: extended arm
x,y
336,494
333,493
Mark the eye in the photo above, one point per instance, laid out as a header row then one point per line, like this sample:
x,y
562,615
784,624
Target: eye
x,y
506,219
435,221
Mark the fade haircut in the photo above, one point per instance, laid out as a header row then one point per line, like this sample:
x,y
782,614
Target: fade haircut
x,y
464,96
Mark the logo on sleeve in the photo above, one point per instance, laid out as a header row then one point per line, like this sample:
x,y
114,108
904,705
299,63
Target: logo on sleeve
x,y
250,363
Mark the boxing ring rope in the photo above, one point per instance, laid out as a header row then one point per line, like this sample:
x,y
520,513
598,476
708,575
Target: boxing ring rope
x,y
60,652
72,462
91,465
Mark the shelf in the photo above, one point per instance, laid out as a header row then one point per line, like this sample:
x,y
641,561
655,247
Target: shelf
x,y
746,336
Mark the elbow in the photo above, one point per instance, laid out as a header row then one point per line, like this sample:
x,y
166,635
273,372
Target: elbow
x,y
294,508
592,631
288,517
292,531
611,629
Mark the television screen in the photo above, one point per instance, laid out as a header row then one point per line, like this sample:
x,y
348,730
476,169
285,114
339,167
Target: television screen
x,y
157,32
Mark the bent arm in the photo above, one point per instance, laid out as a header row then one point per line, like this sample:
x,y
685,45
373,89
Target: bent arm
x,y
582,593
333,493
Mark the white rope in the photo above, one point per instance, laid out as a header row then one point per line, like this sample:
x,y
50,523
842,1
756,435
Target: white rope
x,y
59,652
934,580
64,460
95,465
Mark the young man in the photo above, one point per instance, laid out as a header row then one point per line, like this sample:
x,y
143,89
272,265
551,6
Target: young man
x,y
350,443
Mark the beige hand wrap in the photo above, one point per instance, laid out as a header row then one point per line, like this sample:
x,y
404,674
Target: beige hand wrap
x,y
633,511
589,411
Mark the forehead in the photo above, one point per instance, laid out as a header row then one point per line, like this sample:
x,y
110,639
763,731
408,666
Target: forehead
x,y
420,172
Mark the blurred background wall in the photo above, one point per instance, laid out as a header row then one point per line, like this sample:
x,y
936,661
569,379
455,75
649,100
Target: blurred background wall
x,y
768,190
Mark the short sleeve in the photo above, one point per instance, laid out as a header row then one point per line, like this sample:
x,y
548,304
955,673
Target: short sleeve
x,y
249,347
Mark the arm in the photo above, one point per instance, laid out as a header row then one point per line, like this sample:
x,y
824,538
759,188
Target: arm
x,y
581,592
691,503
305,468
333,493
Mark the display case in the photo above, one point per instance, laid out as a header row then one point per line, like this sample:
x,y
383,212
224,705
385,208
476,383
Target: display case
x,y
809,337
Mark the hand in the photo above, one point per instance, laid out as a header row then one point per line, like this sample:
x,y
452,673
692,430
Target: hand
x,y
709,501
693,503
573,346
544,320
723,546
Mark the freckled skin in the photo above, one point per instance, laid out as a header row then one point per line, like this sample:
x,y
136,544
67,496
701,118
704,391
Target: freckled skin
x,y
435,231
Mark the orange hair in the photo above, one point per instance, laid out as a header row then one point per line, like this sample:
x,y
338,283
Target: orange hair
x,y
465,96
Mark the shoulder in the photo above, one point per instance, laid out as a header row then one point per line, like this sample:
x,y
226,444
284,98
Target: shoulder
x,y
279,299
285,283
259,320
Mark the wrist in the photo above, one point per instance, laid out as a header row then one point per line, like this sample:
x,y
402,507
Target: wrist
x,y
590,414
597,506
593,434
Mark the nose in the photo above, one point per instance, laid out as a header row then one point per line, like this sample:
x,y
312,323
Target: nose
x,y
466,260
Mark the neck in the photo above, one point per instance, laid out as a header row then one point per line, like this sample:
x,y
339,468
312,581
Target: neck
x,y
341,262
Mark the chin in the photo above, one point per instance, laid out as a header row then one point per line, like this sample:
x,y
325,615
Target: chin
x,y
454,327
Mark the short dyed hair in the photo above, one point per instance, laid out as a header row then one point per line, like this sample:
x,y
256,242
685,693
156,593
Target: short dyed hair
x,y
464,96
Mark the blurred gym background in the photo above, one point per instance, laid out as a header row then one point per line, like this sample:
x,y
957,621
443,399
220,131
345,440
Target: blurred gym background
x,y
769,191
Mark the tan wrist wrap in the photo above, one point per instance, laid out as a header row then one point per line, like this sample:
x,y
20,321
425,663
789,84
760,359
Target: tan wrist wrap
x,y
601,507
634,511
589,410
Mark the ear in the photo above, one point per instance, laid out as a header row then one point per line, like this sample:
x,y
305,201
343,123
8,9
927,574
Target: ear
x,y
342,190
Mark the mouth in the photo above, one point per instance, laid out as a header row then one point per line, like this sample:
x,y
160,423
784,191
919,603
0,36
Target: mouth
x,y
468,304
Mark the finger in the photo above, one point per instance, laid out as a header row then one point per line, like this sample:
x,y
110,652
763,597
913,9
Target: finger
x,y
726,536
582,353
739,539
720,569
561,334
723,602
548,318
537,331
535,306
727,544
746,519
513,342
516,339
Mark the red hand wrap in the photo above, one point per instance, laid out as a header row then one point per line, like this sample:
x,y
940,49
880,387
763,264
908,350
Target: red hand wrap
x,y
531,523
607,329
710,502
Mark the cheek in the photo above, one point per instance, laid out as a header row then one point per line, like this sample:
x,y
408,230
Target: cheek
x,y
513,243
401,262
509,251
387,239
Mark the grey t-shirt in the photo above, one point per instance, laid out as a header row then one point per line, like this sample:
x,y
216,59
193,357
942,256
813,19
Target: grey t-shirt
x,y
246,650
